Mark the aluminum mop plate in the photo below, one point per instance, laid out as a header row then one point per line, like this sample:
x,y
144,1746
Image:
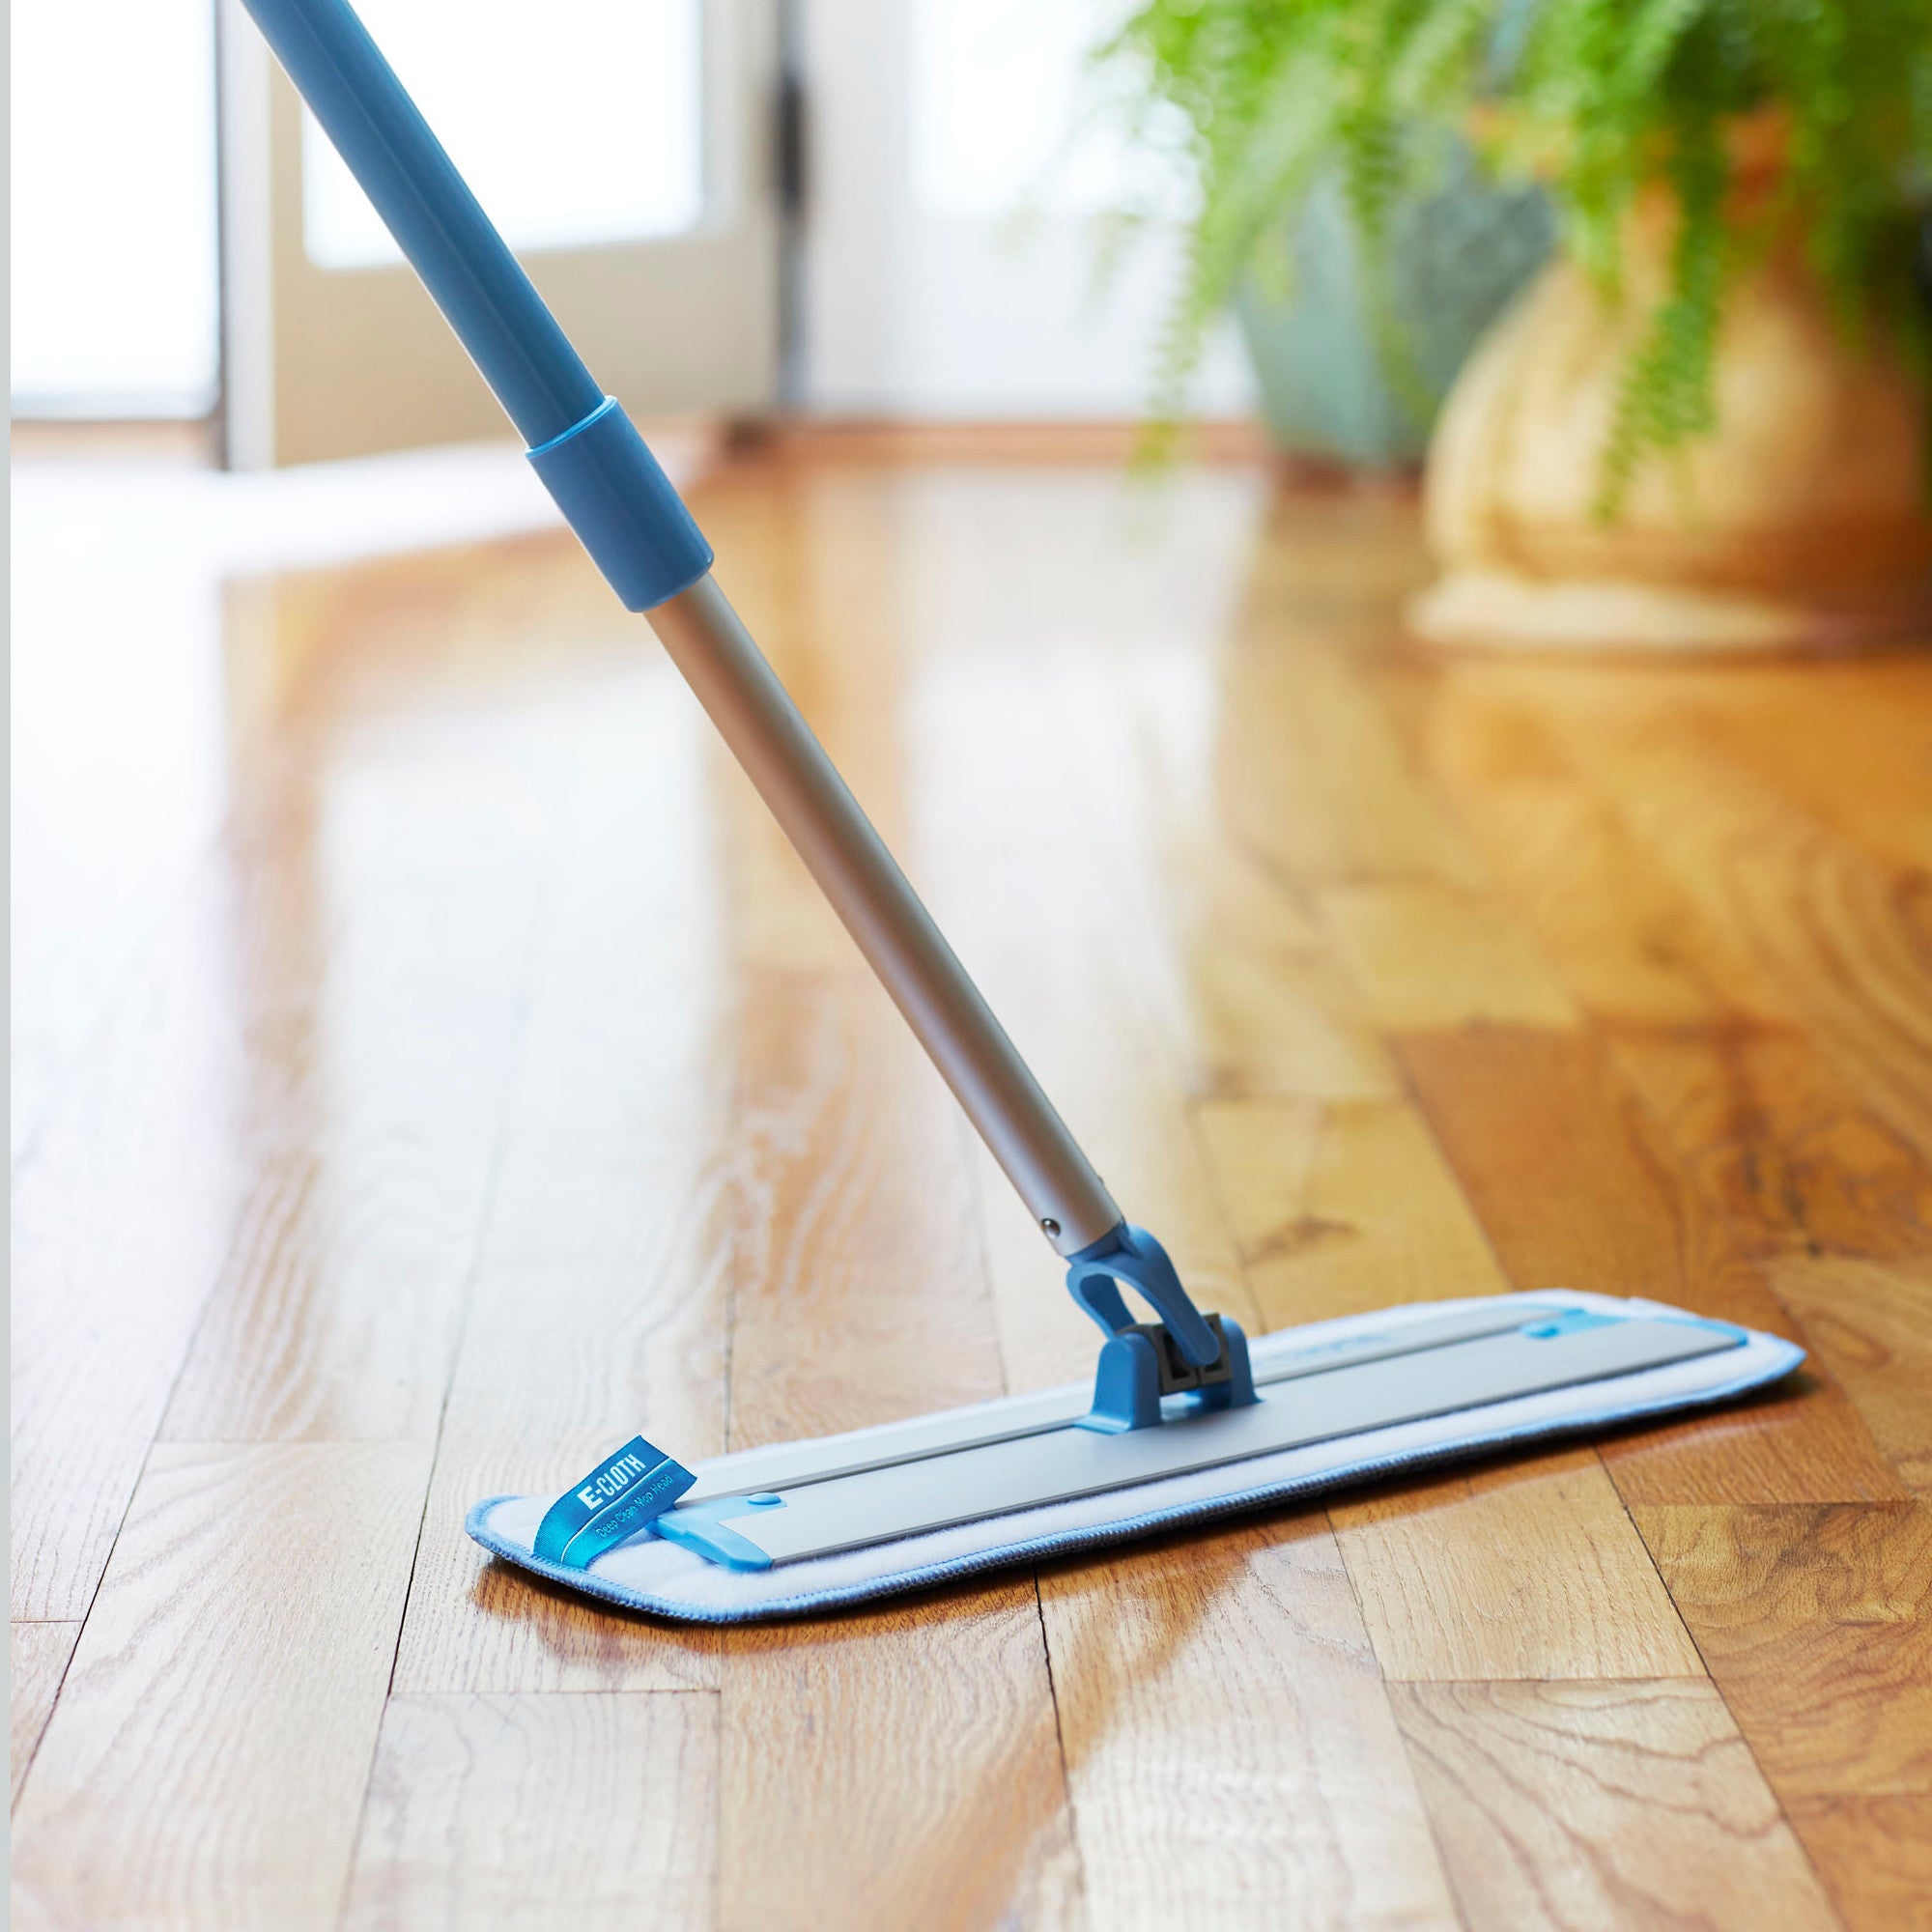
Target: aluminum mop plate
x,y
808,1499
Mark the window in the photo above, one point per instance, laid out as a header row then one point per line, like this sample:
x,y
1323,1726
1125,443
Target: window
x,y
587,133
114,295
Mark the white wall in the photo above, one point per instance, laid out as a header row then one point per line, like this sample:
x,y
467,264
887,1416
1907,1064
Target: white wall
x,y
951,265
113,206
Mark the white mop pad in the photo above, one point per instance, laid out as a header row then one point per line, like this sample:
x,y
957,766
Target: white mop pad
x,y
648,1573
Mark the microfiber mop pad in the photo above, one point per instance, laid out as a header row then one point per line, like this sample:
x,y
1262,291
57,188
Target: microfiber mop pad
x,y
648,1573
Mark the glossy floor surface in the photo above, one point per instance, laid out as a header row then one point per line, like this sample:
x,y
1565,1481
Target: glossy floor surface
x,y
432,1067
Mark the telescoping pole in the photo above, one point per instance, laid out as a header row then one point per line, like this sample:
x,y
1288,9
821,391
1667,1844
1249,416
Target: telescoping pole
x,y
636,529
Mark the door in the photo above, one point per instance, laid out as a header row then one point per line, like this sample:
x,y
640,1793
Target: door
x,y
620,145
963,156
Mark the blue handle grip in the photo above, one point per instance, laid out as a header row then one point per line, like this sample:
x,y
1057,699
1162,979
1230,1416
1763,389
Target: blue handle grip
x,y
587,450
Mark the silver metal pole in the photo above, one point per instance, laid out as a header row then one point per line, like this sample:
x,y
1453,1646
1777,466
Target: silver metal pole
x,y
894,930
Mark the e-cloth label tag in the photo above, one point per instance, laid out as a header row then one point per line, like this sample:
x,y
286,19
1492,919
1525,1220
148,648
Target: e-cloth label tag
x,y
618,1497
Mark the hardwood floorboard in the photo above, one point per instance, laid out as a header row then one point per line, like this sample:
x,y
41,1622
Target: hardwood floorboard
x,y
1840,935
1816,1623
122,1219
1803,1442
862,1292
1528,1568
596,1811
499,1081
1847,746
900,1767
1230,1747
1168,786
1570,1179
406,853
1316,1806
1275,1014
1427,957
1317,781
205,1766
1598,1805
1837,1207
895,1767
1562,1168
1345,1208
1098,775
855,1305
1874,1855
337,1312
1784,1153
599,1300
116,678
1559,1161
38,1658
1871,1324
1630,948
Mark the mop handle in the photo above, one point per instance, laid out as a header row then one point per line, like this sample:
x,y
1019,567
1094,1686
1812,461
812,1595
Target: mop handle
x,y
640,535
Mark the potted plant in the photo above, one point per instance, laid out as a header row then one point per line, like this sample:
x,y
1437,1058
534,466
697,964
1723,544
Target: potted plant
x,y
1705,422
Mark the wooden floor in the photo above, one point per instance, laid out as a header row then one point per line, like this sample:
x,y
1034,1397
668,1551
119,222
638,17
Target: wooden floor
x,y
450,1071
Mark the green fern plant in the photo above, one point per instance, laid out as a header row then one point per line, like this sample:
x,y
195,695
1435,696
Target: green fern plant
x,y
1603,99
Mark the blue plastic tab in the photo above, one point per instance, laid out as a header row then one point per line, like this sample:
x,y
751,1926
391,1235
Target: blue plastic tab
x,y
622,507
622,1495
703,1529
1127,1386
1572,1321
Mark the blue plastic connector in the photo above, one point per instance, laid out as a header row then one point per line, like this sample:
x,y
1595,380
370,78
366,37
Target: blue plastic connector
x,y
622,506
587,450
1139,1368
1203,1357
1130,1256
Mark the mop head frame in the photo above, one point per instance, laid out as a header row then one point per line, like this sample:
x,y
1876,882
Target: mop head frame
x,y
795,1528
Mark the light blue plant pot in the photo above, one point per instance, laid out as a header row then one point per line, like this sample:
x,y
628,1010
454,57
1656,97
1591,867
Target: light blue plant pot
x,y
1456,258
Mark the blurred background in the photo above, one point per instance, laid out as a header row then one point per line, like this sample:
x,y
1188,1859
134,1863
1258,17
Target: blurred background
x,y
838,207
1653,299
1439,840
856,213
1707,238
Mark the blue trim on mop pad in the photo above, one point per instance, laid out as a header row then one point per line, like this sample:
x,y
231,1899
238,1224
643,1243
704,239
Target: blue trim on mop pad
x,y
683,1580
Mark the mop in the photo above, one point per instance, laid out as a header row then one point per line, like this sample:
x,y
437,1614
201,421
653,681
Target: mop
x,y
1184,1417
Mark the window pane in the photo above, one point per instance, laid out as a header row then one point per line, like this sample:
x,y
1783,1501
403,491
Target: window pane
x,y
113,206
577,122
1010,112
